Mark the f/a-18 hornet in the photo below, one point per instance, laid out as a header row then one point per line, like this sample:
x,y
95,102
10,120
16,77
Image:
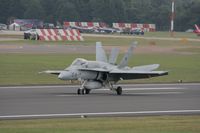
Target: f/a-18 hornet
x,y
105,72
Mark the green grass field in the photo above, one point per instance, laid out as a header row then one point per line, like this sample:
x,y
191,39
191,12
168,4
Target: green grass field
x,y
90,40
157,124
168,34
21,69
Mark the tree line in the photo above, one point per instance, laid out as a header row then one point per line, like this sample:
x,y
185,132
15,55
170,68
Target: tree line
x,y
130,11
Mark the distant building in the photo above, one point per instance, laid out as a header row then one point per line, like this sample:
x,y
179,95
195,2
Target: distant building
x,y
14,26
29,23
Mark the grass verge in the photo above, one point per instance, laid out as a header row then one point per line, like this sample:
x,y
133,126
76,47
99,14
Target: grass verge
x,y
22,69
116,39
157,124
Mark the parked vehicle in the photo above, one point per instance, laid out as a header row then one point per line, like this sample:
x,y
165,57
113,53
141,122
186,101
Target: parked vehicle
x,y
136,31
31,34
3,26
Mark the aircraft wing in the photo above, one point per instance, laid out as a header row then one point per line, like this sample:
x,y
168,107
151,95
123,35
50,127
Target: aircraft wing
x,y
56,72
94,69
136,74
128,74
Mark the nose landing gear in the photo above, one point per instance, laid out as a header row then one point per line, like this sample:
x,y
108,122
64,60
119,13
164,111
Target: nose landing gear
x,y
83,91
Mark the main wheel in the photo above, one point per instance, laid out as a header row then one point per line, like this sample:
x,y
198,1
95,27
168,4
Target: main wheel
x,y
82,91
79,91
119,90
87,91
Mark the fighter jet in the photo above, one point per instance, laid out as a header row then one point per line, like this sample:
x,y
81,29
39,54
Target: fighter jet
x,y
105,72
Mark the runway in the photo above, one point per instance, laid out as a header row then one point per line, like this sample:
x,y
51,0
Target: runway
x,y
22,102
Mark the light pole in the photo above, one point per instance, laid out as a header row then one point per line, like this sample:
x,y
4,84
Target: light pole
x,y
172,19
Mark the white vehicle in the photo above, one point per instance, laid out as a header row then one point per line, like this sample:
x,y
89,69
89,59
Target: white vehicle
x,y
104,72
31,34
3,26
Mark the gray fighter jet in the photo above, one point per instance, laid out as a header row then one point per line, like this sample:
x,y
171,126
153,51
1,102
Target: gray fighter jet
x,y
105,72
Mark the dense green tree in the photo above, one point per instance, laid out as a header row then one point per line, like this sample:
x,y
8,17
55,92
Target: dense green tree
x,y
84,9
109,11
187,14
66,10
49,8
16,8
33,9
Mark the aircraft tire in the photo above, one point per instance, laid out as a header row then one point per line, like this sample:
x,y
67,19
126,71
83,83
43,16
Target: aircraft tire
x,y
87,91
82,91
119,90
79,91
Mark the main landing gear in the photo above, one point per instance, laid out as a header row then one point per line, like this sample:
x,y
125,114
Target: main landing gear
x,y
119,90
87,91
83,91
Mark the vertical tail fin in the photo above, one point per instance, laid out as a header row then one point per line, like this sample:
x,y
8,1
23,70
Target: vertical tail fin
x,y
100,53
124,61
113,55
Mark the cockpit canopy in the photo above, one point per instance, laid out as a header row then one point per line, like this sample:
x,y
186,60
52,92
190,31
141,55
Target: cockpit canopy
x,y
79,62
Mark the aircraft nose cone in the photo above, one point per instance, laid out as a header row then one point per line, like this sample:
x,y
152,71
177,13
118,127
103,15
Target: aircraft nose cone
x,y
65,75
60,76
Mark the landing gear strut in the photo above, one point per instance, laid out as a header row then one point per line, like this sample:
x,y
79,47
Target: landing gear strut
x,y
82,90
118,89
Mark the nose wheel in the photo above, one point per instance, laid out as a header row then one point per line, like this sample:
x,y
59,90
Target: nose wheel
x,y
83,91
80,91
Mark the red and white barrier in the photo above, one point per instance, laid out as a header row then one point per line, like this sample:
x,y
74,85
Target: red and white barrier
x,y
85,24
59,35
144,27
67,24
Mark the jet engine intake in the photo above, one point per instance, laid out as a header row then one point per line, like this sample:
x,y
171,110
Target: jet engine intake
x,y
102,76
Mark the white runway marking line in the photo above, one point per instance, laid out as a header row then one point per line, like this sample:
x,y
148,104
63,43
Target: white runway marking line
x,y
127,93
75,95
155,93
37,87
149,88
100,114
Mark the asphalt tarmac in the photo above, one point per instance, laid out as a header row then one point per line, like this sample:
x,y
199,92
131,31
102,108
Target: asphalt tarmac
x,y
27,102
